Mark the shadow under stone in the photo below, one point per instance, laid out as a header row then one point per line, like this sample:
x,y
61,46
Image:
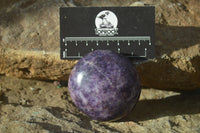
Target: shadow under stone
x,y
185,103
85,122
49,127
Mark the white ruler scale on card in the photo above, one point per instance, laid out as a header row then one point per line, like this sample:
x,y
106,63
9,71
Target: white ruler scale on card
x,y
85,41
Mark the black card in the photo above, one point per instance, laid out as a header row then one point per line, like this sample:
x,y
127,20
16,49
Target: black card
x,y
126,30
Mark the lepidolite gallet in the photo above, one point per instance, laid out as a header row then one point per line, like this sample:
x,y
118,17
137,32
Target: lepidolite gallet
x,y
104,85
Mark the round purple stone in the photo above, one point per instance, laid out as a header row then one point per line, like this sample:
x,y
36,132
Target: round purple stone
x,y
104,85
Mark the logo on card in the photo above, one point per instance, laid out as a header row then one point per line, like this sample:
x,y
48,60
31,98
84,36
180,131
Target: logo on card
x,y
106,23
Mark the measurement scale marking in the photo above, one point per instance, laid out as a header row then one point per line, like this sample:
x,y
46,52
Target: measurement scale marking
x,y
133,38
79,56
107,39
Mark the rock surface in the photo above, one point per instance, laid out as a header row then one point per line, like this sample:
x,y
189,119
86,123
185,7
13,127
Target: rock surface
x,y
35,106
34,26
34,65
1,93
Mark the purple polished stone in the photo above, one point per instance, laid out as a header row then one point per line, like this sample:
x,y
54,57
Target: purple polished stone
x,y
104,85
